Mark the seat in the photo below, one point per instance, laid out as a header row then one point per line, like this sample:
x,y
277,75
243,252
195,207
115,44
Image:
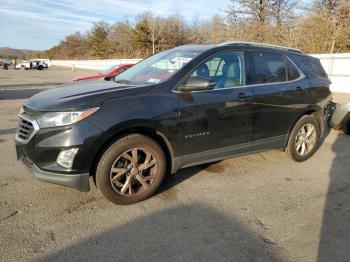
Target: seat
x,y
231,76
203,71
281,74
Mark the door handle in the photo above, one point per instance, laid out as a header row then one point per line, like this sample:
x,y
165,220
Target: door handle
x,y
243,95
299,89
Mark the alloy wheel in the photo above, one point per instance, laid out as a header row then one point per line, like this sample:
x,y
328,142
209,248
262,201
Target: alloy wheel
x,y
133,172
305,139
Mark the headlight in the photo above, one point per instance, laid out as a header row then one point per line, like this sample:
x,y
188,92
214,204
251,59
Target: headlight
x,y
64,118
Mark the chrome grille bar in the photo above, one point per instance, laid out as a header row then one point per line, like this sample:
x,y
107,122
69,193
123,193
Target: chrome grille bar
x,y
26,129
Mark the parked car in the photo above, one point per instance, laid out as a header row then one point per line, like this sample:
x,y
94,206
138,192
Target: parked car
x,y
45,60
108,73
31,64
186,106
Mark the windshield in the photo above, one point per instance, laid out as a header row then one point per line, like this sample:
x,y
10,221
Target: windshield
x,y
108,70
157,68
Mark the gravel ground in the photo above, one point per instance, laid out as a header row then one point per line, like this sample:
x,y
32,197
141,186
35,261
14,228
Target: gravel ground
x,y
260,207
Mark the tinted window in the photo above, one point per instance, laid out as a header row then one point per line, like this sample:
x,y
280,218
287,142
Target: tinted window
x,y
225,69
266,67
310,66
292,72
315,67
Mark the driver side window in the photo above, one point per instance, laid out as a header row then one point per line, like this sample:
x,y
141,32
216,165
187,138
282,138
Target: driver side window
x,y
226,70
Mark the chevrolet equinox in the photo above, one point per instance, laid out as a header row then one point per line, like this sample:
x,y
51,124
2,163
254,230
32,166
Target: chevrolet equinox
x,y
186,106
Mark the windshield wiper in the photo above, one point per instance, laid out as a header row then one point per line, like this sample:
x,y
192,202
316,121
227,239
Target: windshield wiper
x,y
123,81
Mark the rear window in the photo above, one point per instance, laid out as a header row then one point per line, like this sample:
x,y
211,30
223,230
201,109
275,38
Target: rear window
x,y
315,67
310,66
265,67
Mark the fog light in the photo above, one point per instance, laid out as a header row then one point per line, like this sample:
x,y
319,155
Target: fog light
x,y
65,158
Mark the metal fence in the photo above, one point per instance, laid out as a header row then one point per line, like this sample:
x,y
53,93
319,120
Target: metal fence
x,y
337,67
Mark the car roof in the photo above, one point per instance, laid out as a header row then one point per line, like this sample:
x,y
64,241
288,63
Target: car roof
x,y
240,44
195,47
257,44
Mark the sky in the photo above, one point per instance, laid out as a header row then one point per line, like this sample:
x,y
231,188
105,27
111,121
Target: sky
x,y
41,24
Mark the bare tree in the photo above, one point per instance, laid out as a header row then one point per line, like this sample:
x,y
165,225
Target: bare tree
x,y
214,31
283,20
321,26
253,13
121,39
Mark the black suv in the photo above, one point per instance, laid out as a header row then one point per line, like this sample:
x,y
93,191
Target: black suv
x,y
182,107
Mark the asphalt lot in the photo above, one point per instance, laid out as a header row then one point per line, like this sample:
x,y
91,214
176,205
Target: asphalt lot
x,y
19,84
260,207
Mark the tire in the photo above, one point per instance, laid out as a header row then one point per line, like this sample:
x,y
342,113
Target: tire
x,y
40,67
302,146
132,181
23,67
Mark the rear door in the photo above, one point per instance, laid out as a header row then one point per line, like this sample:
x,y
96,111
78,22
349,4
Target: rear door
x,y
279,95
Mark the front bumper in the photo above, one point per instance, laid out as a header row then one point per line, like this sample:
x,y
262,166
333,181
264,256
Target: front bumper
x,y
77,181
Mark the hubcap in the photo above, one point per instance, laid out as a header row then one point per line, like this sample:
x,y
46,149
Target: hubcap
x,y
305,139
133,171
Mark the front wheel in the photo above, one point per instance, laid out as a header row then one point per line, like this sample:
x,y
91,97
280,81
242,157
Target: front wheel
x,y
131,169
304,139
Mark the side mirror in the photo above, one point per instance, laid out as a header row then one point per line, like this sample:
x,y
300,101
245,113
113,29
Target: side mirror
x,y
108,78
197,84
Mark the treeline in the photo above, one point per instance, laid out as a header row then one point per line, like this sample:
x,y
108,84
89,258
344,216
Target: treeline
x,y
318,26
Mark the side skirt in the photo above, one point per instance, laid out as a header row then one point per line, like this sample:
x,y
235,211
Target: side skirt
x,y
228,152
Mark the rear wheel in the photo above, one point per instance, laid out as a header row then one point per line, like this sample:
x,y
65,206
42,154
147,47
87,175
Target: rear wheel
x,y
304,139
131,169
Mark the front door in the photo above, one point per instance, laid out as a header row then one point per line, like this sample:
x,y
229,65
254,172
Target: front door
x,y
216,123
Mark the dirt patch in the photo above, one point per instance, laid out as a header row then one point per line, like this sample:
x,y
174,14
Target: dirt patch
x,y
83,203
169,195
2,140
216,168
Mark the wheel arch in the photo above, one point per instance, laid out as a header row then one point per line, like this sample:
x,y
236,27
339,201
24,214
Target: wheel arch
x,y
136,128
310,111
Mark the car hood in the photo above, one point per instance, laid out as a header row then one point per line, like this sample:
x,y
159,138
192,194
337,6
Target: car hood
x,y
80,95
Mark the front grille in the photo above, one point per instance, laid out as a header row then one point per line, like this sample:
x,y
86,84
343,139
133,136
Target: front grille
x,y
26,129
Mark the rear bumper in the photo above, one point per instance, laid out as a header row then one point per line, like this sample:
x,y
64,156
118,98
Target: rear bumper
x,y
77,181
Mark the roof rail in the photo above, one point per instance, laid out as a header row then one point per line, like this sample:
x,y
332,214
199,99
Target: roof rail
x,y
261,45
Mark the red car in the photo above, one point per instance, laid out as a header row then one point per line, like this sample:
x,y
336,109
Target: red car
x,y
110,72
